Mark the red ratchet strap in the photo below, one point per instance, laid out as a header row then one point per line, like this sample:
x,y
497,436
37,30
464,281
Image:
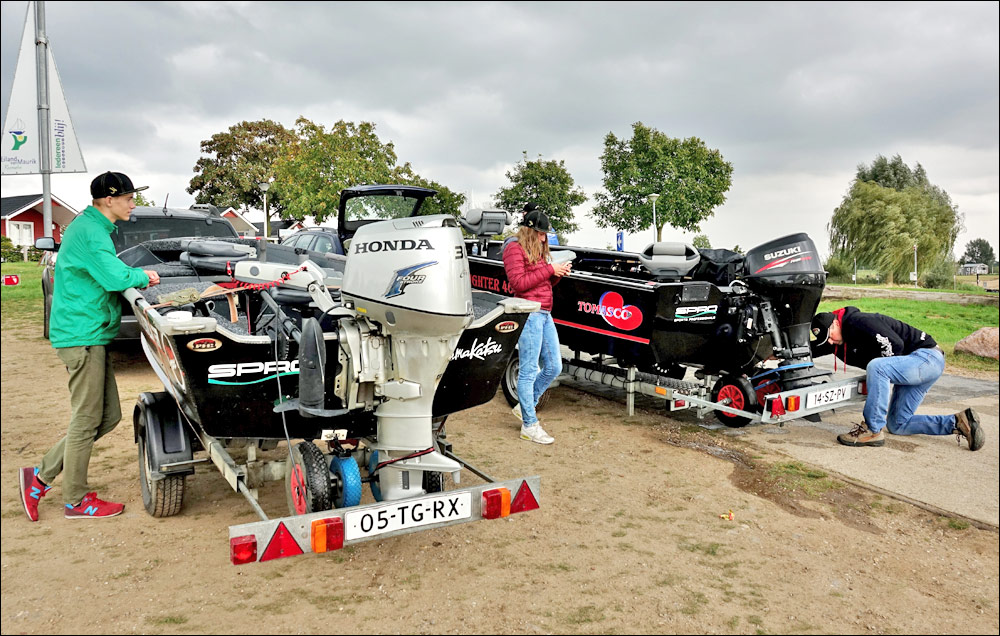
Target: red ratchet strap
x,y
382,465
259,286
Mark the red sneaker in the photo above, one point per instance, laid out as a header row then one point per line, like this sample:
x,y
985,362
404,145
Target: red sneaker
x,y
32,491
93,508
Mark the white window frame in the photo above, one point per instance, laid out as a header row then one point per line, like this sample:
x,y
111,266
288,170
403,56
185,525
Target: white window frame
x,y
16,229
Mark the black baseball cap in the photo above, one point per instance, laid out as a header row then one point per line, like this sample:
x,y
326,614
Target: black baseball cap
x,y
535,218
112,184
821,327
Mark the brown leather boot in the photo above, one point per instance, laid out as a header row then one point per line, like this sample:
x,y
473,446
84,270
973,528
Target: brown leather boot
x,y
861,436
967,426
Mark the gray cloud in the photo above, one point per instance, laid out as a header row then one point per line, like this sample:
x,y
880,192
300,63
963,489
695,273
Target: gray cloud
x,y
794,95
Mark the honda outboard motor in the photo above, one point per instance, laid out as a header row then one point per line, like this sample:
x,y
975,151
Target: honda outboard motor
x,y
411,279
788,274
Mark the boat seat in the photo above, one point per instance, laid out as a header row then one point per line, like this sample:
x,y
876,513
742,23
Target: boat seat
x,y
485,223
674,260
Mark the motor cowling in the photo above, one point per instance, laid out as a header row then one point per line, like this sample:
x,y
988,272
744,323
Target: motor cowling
x,y
410,275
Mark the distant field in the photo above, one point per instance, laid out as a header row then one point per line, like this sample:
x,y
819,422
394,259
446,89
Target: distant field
x,y
946,322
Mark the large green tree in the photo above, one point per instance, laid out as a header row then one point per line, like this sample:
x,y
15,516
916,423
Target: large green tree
x,y
690,178
881,225
979,251
238,161
547,184
310,175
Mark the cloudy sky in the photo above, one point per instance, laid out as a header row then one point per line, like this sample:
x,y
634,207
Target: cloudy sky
x,y
794,95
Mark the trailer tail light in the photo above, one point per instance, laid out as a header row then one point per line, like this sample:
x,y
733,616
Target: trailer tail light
x,y
863,388
777,407
243,549
496,503
524,500
327,534
794,403
680,404
282,544
660,390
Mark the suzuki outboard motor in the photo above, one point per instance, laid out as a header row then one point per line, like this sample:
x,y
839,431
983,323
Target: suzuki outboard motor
x,y
788,274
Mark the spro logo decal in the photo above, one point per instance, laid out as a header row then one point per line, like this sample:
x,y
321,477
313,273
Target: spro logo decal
x,y
250,370
695,313
204,344
405,277
506,326
402,245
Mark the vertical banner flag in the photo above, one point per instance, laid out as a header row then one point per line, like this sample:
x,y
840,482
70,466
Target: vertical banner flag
x,y
20,147
620,241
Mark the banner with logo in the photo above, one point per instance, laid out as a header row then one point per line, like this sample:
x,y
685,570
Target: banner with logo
x,y
21,151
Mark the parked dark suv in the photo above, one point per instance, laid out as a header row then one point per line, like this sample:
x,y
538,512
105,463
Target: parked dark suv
x,y
145,224
316,239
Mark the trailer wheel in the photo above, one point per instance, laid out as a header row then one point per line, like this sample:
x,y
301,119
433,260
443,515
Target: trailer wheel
x,y
509,383
347,492
160,497
307,480
735,393
433,481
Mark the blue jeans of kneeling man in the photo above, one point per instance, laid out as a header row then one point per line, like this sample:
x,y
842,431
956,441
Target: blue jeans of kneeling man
x,y
908,378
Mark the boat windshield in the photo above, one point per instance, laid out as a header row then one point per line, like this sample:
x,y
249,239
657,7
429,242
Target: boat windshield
x,y
380,207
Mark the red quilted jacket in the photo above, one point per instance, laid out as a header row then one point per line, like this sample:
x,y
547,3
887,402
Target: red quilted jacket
x,y
532,282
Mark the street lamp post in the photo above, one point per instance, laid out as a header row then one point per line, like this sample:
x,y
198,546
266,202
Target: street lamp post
x,y
263,188
653,198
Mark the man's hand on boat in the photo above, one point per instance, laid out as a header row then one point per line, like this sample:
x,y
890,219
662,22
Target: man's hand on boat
x,y
561,269
154,278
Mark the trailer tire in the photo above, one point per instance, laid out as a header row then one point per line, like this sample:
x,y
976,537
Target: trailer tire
x,y
47,311
740,394
373,476
509,384
307,480
349,477
161,497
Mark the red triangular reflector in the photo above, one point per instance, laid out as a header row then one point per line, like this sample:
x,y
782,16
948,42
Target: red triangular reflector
x,y
524,500
282,544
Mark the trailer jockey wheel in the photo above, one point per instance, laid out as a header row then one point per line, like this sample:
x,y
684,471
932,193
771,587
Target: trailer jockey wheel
x,y
737,393
509,383
347,488
307,480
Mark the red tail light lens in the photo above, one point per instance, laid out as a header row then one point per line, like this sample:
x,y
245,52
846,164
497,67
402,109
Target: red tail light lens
x,y
327,534
243,549
496,503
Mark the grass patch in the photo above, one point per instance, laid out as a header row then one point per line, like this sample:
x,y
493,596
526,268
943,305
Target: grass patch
x,y
167,620
795,476
708,549
958,524
22,303
946,322
585,614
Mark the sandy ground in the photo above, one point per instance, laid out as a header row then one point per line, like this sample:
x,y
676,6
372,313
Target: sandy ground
x,y
628,539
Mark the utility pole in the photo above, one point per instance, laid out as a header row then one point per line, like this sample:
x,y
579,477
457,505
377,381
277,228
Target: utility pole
x,y
44,115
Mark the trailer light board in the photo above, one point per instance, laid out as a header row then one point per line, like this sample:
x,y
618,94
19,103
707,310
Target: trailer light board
x,y
496,503
327,534
243,549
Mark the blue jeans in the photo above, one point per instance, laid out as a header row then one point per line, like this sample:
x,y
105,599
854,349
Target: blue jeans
x,y
539,362
912,376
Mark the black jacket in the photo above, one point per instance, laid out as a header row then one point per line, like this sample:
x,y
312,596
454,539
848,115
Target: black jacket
x,y
869,336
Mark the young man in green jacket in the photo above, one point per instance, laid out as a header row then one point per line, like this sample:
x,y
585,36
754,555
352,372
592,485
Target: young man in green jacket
x,y
86,314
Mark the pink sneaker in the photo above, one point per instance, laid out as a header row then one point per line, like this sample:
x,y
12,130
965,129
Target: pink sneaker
x,y
32,491
93,508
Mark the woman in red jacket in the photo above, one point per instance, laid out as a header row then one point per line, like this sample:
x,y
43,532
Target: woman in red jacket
x,y
526,259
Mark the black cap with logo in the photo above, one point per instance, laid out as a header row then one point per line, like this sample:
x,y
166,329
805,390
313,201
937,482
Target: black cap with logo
x,y
112,184
535,218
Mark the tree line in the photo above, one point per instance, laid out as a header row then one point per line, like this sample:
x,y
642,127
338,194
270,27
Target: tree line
x,y
889,210
308,166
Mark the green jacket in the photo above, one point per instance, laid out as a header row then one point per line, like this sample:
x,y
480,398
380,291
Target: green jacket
x,y
85,306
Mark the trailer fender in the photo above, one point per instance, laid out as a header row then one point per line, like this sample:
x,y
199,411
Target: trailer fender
x,y
158,420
